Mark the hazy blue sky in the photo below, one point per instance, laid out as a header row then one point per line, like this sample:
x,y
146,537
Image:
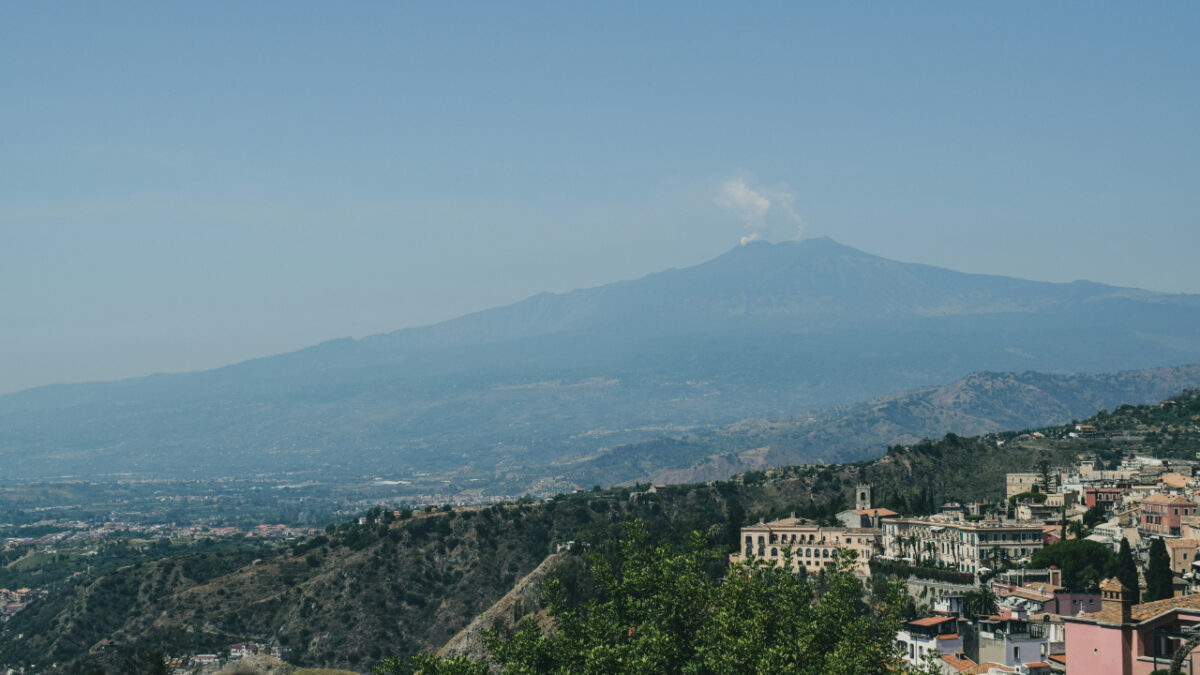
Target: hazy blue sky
x,y
184,185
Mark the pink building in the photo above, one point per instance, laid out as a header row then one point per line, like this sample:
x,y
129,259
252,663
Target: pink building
x,y
1162,514
1128,639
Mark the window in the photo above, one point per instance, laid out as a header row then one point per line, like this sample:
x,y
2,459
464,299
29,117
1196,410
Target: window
x,y
1017,654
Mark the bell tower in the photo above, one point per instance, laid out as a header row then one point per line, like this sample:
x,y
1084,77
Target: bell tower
x,y
862,497
1116,602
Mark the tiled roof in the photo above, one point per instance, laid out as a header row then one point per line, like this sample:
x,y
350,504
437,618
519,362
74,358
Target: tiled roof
x,y
1182,543
958,662
876,512
1148,610
931,621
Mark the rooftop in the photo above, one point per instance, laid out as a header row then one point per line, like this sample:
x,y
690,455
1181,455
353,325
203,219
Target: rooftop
x,y
1150,610
931,621
876,513
1169,500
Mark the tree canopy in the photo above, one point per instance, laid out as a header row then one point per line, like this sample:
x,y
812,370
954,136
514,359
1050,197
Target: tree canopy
x,y
1083,563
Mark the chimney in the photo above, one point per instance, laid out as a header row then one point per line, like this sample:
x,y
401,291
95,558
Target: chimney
x,y
1055,576
1116,602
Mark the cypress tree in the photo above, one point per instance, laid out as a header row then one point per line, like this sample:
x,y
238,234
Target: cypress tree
x,y
735,518
1127,568
1159,580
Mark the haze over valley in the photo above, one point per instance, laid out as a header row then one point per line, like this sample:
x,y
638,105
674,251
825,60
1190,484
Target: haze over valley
x,y
524,398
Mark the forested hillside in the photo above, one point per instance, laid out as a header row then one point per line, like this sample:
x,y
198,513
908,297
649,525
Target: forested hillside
x,y
402,585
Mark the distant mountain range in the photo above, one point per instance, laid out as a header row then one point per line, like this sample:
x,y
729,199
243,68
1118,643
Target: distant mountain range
x,y
978,404
555,381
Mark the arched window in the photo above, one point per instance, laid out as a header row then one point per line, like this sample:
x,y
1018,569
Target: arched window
x,y
774,553
825,553
808,553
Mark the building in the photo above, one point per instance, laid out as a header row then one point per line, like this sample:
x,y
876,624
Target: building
x,y
865,518
1162,514
812,547
1036,511
1124,638
938,634
1107,497
1012,641
863,500
1183,554
1017,483
961,545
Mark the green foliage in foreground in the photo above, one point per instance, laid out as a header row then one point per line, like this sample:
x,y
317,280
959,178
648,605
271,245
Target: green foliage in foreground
x,y
659,611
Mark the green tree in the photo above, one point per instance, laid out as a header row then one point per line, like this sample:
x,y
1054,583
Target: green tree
x,y
658,610
1094,516
1083,563
980,602
735,518
1159,579
142,663
1127,568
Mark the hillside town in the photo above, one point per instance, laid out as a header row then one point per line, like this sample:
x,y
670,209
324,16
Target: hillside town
x,y
984,605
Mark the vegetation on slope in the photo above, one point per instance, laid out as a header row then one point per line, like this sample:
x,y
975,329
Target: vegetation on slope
x,y
406,585
659,610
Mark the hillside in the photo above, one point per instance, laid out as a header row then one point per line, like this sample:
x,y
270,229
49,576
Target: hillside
x,y
977,404
763,331
407,585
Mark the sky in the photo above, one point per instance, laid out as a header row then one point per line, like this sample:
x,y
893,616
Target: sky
x,y
187,185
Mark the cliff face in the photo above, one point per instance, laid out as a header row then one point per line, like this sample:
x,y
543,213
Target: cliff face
x,y
525,598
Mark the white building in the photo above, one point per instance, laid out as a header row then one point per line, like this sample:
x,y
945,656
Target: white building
x,y
961,545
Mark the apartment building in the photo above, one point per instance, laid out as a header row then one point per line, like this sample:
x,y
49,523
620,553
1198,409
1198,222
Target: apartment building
x,y
962,545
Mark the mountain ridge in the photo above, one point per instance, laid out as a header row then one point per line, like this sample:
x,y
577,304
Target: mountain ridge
x,y
765,330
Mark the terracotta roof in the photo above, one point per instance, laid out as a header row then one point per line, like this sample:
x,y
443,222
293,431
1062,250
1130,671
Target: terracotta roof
x,y
958,662
1058,658
1148,610
1182,543
931,621
876,512
984,668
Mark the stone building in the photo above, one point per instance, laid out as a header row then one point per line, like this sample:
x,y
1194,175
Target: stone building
x,y
812,546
